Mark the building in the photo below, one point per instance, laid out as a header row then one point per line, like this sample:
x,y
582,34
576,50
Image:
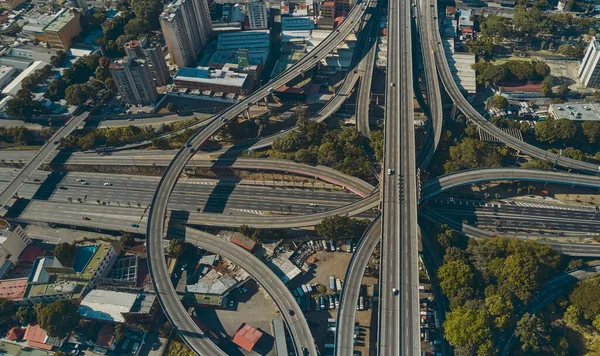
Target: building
x,y
257,15
116,307
450,12
279,335
60,32
38,338
246,337
134,81
243,241
13,241
576,112
327,15
519,90
13,289
460,65
15,85
49,281
152,53
186,26
217,80
10,4
6,74
106,337
589,69
343,6
31,52
464,20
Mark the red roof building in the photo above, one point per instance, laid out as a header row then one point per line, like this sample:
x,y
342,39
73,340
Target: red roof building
x,y
15,333
106,337
243,241
30,253
13,289
512,87
246,337
36,337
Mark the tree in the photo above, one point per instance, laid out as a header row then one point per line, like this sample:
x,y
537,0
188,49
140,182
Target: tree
x,y
65,253
56,89
586,297
120,332
551,131
338,226
25,314
176,248
127,240
472,153
467,330
456,279
165,330
75,95
538,164
499,102
575,264
23,106
59,318
171,107
563,89
542,69
501,308
137,27
532,333
148,10
377,144
484,46
7,311
57,59
592,130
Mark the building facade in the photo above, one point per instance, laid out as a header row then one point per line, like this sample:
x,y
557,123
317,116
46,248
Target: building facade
x,y
186,26
257,15
13,241
133,80
152,53
60,32
589,70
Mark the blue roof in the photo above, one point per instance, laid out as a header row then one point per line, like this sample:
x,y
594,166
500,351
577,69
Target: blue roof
x,y
192,72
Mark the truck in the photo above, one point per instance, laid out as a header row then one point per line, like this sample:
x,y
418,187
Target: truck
x,y
304,288
322,302
324,245
331,302
361,303
332,283
300,291
310,288
376,290
349,246
331,245
338,285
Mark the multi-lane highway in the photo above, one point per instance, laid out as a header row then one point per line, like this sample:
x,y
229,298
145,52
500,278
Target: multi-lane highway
x,y
39,158
449,181
156,223
346,316
474,116
434,97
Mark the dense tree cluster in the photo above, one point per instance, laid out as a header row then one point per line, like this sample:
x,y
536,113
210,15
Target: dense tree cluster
x,y
176,248
22,106
57,59
36,78
499,102
21,135
65,252
58,318
261,234
472,153
484,281
341,148
489,73
336,227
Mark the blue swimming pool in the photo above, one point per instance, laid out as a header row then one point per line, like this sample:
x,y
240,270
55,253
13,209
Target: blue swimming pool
x,y
82,257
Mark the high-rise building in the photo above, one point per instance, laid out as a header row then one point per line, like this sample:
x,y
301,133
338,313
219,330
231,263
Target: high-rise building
x,y
61,31
257,15
152,53
589,70
186,27
133,80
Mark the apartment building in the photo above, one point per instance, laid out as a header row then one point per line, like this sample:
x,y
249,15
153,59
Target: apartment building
x,y
134,81
589,70
257,15
152,53
61,31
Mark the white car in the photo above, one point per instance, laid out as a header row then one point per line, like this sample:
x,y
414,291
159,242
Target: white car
x,y
79,180
390,172
84,183
107,184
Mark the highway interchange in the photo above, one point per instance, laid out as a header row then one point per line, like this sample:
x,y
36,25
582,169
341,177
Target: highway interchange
x,y
198,203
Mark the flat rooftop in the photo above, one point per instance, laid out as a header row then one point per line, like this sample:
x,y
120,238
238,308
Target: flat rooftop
x,y
61,20
13,289
107,305
211,76
576,112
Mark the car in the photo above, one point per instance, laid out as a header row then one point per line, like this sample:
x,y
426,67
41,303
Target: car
x,y
56,142
552,227
85,183
187,144
414,4
355,71
337,30
392,84
135,225
270,90
231,304
249,103
292,313
79,180
304,351
435,17
394,291
134,348
107,184
36,180
86,218
430,5
192,150
63,188
390,172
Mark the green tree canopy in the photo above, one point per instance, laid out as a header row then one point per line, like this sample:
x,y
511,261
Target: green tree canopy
x,y
176,248
25,314
338,226
499,102
586,298
65,253
467,330
555,131
59,318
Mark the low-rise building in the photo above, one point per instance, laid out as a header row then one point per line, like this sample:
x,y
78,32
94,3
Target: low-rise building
x,y
37,337
575,112
518,90
464,20
327,15
13,241
246,337
13,290
115,307
6,75
31,52
460,64
15,85
217,80
243,241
